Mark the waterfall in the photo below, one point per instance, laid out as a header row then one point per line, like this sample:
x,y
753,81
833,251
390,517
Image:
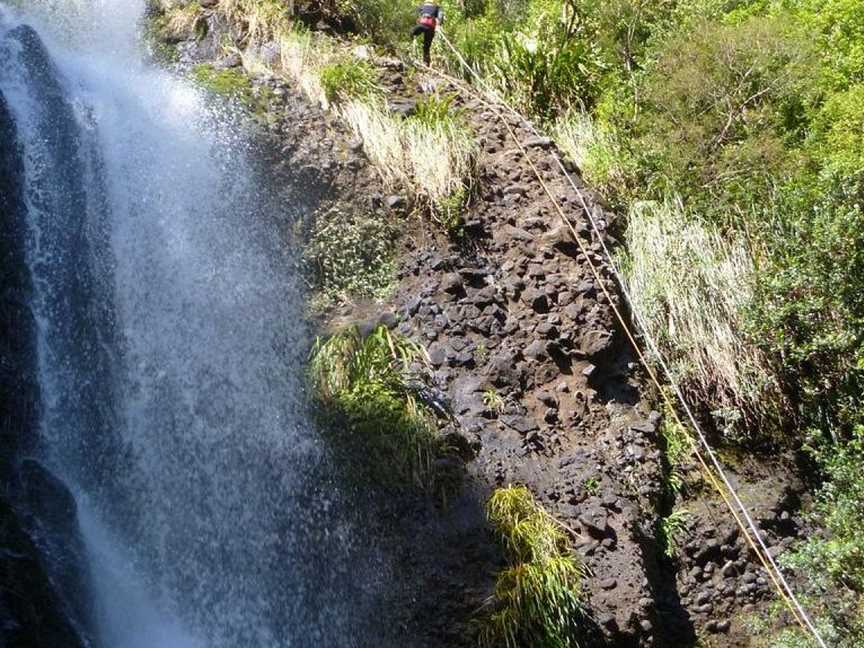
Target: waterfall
x,y
169,343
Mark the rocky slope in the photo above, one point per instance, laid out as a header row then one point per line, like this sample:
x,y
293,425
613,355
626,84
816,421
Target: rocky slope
x,y
544,388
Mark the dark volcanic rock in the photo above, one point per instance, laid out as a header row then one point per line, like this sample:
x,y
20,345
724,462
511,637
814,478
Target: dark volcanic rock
x,y
32,615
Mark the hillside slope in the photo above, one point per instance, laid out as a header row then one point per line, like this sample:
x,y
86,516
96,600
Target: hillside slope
x,y
525,348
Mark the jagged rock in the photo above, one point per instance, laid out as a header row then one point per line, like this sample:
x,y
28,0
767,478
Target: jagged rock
x,y
452,284
595,521
521,424
535,350
538,142
402,106
536,300
594,343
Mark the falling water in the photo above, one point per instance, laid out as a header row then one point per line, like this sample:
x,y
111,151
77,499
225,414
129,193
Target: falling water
x,y
169,338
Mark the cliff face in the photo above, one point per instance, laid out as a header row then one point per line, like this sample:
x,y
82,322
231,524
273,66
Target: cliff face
x,y
543,385
32,614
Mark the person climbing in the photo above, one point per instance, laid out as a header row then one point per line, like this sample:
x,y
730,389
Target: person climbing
x,y
430,18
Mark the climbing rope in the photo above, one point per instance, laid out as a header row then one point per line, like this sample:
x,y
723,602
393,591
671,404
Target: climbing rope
x,y
725,489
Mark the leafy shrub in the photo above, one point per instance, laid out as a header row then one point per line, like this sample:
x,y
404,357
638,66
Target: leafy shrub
x,y
387,22
833,561
719,106
838,133
670,530
838,26
351,255
538,600
677,449
348,78
364,383
810,302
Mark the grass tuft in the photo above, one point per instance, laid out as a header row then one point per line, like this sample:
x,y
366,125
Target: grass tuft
x,y
537,600
265,20
671,529
364,383
493,401
347,78
180,23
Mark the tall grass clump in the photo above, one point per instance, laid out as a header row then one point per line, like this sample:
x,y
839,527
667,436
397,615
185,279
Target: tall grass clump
x,y
346,78
594,149
302,54
690,286
430,154
265,20
442,152
381,133
537,600
364,384
183,22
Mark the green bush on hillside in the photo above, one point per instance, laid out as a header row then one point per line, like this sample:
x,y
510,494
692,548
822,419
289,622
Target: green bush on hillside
x,y
809,309
348,78
717,110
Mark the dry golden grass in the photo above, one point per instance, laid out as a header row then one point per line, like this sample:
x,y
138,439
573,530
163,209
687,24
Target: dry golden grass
x,y
690,285
181,21
431,162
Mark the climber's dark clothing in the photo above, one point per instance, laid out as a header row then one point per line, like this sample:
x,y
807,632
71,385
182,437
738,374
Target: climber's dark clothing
x,y
430,16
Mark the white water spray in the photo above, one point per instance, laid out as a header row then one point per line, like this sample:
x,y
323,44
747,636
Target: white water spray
x,y
170,338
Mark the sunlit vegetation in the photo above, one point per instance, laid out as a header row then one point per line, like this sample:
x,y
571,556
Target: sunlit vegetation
x,y
431,159
185,22
690,285
538,599
363,385
670,531
229,83
348,78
